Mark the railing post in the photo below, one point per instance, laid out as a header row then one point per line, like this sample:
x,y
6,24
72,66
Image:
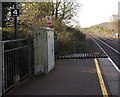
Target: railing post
x,y
29,60
1,68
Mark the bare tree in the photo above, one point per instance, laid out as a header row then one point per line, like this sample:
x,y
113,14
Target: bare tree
x,y
114,22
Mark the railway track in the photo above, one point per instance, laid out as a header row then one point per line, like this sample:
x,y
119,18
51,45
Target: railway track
x,y
113,44
113,40
110,49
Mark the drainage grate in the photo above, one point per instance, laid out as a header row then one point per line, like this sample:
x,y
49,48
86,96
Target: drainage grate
x,y
83,56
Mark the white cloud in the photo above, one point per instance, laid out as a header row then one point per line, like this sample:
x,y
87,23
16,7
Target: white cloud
x,y
96,11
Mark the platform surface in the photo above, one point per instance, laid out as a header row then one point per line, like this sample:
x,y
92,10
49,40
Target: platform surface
x,y
69,77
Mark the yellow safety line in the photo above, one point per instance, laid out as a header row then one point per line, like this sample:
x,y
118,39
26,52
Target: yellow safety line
x,y
102,84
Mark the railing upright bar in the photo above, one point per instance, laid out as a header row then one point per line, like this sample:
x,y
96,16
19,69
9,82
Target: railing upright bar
x,y
1,73
3,70
29,60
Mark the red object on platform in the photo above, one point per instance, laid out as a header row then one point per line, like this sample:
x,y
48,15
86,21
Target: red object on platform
x,y
17,75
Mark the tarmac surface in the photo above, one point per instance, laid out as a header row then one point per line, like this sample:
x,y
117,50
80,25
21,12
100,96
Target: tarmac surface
x,y
69,77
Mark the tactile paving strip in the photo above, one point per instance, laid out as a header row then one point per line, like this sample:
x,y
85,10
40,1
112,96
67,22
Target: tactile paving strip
x,y
83,56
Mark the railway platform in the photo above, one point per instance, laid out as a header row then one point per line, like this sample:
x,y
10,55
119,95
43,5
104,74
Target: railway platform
x,y
81,77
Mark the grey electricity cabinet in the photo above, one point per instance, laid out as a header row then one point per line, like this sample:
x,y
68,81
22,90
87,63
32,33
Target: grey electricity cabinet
x,y
43,50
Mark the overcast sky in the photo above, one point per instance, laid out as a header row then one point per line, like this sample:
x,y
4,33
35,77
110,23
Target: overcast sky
x,y
96,11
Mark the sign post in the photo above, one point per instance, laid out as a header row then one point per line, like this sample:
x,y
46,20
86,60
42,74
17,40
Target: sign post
x,y
1,67
15,13
0,21
15,21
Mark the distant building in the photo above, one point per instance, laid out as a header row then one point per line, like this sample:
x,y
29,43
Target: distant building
x,y
115,34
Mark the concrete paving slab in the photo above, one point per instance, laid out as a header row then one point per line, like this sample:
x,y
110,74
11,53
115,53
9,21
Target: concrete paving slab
x,y
69,77
111,75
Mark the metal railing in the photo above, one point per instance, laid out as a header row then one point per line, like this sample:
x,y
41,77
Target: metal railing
x,y
18,60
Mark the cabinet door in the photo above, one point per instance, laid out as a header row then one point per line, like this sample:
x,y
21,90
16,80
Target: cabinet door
x,y
50,35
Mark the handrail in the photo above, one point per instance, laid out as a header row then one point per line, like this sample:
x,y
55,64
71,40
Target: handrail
x,y
15,40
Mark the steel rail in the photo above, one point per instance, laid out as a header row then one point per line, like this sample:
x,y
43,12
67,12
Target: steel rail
x,y
111,41
106,54
109,46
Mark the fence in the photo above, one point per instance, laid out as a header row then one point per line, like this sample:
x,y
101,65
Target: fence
x,y
17,60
